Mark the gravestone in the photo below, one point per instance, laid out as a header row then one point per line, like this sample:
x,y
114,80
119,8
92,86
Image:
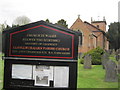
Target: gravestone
x,y
117,57
104,59
113,52
118,67
87,62
109,51
80,55
117,54
117,51
111,71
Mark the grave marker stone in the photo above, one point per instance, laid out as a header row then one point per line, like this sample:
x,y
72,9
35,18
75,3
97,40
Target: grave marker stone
x,y
117,57
111,71
118,67
104,59
109,51
80,55
87,62
117,51
113,52
117,54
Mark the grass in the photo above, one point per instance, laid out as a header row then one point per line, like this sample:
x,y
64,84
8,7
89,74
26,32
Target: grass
x,y
93,78
1,72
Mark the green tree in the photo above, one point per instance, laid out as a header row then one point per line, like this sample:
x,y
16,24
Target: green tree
x,y
8,27
114,35
62,22
2,27
47,20
96,54
13,26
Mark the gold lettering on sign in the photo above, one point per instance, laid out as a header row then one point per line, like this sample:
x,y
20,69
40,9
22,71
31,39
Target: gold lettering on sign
x,y
41,48
42,52
41,40
41,35
46,44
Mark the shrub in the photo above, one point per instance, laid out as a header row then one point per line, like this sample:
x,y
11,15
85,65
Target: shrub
x,y
96,54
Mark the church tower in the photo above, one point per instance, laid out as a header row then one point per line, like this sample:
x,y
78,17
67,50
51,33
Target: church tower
x,y
100,24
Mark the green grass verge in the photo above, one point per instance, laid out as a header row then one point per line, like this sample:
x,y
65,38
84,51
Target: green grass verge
x,y
1,72
93,78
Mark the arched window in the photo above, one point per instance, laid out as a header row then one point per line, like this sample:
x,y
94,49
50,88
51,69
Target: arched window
x,y
80,38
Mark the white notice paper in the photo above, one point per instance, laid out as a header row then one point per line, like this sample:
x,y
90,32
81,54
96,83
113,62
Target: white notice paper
x,y
20,71
61,76
51,73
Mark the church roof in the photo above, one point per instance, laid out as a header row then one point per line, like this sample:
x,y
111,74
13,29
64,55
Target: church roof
x,y
79,24
87,26
96,29
93,26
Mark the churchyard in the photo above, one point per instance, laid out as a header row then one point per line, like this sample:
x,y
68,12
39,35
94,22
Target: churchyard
x,y
91,76
57,65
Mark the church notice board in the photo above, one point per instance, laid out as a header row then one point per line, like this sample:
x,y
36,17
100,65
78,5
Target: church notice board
x,y
40,55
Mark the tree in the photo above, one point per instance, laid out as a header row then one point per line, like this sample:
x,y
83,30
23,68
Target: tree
x,y
8,27
47,20
2,27
21,20
114,35
13,26
62,22
0,41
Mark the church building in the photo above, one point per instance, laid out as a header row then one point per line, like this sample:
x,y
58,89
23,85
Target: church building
x,y
92,34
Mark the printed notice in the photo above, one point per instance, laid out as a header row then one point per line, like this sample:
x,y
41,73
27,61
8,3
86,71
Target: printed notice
x,y
21,71
51,73
61,76
42,75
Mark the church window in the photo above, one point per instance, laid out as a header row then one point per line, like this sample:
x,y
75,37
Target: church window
x,y
80,38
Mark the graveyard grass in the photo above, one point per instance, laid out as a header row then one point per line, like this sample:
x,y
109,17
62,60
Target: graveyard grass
x,y
93,78
1,72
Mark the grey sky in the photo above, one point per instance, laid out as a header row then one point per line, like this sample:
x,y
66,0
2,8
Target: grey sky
x,y
55,10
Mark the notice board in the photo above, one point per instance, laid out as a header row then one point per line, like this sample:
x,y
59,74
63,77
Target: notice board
x,y
40,55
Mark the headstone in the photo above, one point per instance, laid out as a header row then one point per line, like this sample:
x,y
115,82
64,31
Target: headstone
x,y
109,51
117,54
118,67
117,57
111,71
117,51
87,62
113,52
104,59
80,55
